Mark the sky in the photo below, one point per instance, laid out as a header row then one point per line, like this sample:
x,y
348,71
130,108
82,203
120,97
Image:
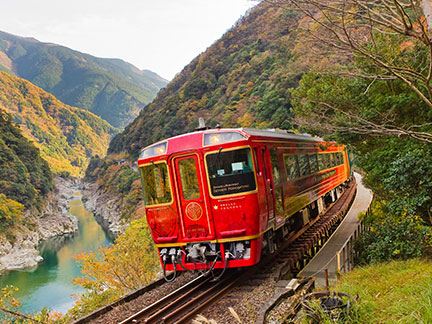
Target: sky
x,y
158,35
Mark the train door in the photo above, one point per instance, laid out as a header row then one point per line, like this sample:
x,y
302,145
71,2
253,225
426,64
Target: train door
x,y
195,217
263,196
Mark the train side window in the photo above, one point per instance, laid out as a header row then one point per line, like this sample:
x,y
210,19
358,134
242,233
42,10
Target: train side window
x,y
304,165
189,179
335,162
279,203
256,161
156,184
329,160
291,166
313,163
278,192
325,160
264,164
321,162
341,157
275,166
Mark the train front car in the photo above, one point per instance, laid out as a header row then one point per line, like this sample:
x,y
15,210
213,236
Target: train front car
x,y
200,193
217,199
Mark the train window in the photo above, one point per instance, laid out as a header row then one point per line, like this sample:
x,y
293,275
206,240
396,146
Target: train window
x,y
275,166
256,160
341,157
189,179
279,204
304,165
329,160
156,184
335,160
313,160
230,172
291,166
264,163
321,162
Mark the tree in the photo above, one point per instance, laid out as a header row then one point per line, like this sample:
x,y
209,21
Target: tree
x,y
388,40
113,271
129,264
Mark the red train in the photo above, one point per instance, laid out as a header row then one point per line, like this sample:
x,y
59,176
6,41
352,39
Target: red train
x,y
219,198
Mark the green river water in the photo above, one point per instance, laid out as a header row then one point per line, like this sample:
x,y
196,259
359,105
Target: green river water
x,y
50,284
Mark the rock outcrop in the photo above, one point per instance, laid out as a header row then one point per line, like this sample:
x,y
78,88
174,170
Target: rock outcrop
x,y
53,221
106,207
22,254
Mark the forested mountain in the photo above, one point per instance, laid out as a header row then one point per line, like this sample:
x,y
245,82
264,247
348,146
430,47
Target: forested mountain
x,y
66,136
110,88
243,79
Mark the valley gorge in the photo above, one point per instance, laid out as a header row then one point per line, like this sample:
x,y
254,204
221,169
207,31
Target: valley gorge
x,y
54,220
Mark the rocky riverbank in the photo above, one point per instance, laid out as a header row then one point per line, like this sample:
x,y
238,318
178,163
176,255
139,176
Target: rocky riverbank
x,y
106,207
54,220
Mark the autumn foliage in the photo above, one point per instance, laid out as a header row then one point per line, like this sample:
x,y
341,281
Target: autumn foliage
x,y
113,271
66,136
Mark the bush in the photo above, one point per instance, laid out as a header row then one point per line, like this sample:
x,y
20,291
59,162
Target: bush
x,y
10,212
392,237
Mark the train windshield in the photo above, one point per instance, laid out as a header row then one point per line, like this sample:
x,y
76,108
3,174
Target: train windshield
x,y
231,172
156,184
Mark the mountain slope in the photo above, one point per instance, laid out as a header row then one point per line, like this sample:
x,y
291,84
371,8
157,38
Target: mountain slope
x,y
67,136
24,176
110,88
241,80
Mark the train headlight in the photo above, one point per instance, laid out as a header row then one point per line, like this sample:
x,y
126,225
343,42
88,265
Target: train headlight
x,y
222,137
154,150
215,139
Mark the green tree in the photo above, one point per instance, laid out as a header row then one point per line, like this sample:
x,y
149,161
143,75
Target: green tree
x,y
24,176
389,42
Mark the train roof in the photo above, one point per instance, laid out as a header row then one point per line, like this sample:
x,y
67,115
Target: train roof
x,y
273,133
194,140
279,133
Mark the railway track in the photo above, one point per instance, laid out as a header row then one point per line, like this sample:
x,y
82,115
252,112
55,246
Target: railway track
x,y
181,305
301,248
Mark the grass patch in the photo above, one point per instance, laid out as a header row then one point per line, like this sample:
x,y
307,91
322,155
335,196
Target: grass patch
x,y
394,292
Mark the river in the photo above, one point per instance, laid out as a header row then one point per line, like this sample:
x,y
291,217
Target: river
x,y
50,284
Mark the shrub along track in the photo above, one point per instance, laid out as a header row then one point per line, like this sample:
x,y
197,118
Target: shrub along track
x,y
190,294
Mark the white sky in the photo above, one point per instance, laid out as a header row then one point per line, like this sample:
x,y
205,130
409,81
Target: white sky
x,y
159,35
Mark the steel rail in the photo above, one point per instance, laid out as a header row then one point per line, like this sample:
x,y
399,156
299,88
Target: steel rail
x,y
166,301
